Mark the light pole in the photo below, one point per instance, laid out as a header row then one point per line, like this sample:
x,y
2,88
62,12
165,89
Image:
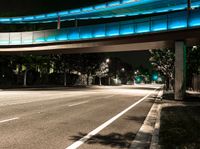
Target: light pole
x,y
135,76
123,76
108,61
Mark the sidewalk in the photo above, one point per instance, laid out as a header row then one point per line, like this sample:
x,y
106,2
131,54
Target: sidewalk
x,y
148,135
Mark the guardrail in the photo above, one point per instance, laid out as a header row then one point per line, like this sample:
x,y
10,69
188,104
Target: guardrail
x,y
171,21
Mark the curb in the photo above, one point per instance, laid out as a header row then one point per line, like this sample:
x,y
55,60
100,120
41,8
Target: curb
x,y
155,135
144,137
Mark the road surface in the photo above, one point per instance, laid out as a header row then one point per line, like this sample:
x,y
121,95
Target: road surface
x,y
63,118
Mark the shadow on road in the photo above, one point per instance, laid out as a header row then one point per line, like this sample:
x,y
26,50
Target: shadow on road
x,y
138,119
113,139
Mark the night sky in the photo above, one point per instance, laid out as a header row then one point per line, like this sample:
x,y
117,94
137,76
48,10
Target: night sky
x,y
32,7
135,58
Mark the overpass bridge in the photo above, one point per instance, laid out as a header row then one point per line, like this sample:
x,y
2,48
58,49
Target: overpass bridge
x,y
152,26
174,29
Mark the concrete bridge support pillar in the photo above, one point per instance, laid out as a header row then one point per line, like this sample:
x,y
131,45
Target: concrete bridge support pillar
x,y
180,70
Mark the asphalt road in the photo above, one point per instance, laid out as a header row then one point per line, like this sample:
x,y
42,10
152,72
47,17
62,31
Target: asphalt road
x,y
57,118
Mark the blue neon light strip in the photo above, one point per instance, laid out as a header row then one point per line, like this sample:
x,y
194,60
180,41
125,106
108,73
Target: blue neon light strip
x,y
172,21
117,8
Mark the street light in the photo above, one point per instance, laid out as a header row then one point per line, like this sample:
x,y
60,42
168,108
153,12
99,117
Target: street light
x,y
194,47
107,60
136,72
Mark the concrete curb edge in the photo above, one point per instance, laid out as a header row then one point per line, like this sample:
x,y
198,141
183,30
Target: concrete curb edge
x,y
144,137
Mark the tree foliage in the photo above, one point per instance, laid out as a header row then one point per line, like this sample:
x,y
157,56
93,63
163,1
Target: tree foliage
x,y
21,69
163,61
103,70
193,63
193,60
61,69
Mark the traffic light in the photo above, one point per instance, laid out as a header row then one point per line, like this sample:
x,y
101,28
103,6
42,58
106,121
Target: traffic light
x,y
138,79
155,77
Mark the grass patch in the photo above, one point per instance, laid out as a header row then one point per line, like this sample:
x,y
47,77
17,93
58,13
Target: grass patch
x,y
180,128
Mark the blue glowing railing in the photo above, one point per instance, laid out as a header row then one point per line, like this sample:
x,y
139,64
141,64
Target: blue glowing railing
x,y
172,21
105,10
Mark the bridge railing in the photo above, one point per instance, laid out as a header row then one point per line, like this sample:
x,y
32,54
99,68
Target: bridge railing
x,y
106,10
171,21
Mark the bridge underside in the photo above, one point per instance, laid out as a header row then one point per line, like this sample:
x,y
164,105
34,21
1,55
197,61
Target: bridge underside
x,y
114,44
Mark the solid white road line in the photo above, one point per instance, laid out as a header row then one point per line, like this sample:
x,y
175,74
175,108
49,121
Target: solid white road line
x,y
79,103
104,125
12,119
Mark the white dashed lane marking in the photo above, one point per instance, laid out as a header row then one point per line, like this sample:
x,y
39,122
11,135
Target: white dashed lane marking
x,y
7,120
79,103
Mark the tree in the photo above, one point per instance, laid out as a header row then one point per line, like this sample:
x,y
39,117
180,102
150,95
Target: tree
x,y
102,71
65,64
89,64
6,69
27,62
163,61
60,65
115,67
126,73
193,63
